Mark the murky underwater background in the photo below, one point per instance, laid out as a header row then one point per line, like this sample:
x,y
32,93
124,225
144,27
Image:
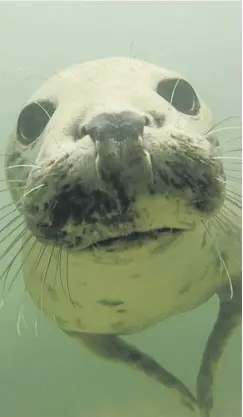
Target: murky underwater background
x,y
46,374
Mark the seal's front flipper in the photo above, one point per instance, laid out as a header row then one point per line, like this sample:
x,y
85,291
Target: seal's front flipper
x,y
114,348
229,317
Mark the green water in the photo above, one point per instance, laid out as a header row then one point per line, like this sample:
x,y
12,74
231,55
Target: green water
x,y
46,374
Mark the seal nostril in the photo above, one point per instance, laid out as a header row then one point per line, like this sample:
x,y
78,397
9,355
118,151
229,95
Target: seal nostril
x,y
83,131
158,118
80,132
146,121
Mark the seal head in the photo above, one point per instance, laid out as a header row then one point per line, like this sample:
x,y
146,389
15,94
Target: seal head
x,y
120,154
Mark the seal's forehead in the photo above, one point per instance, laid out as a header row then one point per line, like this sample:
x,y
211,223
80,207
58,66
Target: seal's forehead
x,y
101,74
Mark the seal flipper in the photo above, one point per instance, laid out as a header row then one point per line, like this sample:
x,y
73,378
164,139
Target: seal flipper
x,y
229,317
116,349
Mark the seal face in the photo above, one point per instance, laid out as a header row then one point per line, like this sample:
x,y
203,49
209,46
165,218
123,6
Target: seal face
x,y
120,173
113,147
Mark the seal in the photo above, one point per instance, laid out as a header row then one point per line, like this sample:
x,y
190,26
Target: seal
x,y
126,215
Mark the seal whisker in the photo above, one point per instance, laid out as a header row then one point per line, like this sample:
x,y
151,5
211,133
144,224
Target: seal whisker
x,y
35,263
67,279
228,226
232,226
8,214
227,206
57,266
234,192
232,150
28,71
231,185
13,189
131,50
24,320
218,222
8,205
233,139
227,220
220,122
32,270
222,129
12,244
33,189
233,170
236,195
173,91
222,262
43,280
237,158
233,164
233,199
20,315
61,277
22,166
236,167
237,202
8,268
42,108
13,230
32,164
238,179
36,328
48,115
11,180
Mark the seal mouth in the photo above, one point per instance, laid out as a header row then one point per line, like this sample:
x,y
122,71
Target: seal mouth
x,y
135,238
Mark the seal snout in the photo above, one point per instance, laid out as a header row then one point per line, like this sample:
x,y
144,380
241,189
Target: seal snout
x,y
120,150
120,126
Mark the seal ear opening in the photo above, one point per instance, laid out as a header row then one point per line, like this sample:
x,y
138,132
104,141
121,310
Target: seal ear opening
x,y
33,119
180,94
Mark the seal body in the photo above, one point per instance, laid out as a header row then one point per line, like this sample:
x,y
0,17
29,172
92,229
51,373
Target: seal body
x,y
122,183
128,215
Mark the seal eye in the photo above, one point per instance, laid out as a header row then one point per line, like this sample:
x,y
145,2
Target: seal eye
x,y
33,120
180,94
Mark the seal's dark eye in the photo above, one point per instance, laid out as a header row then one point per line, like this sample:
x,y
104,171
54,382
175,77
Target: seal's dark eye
x,y
33,120
180,94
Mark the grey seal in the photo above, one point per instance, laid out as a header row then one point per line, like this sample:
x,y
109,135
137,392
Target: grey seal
x,y
127,218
